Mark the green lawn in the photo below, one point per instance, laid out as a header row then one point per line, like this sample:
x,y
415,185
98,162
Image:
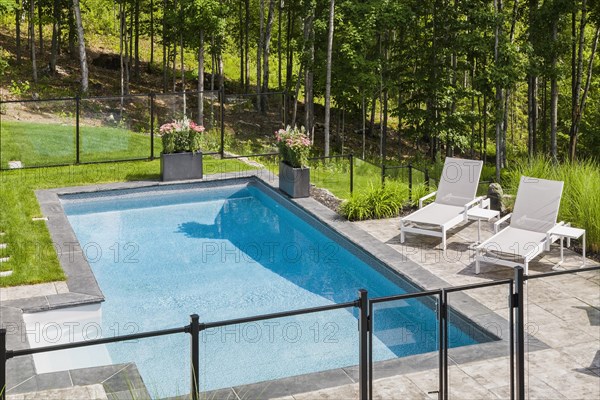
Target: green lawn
x,y
32,255
40,144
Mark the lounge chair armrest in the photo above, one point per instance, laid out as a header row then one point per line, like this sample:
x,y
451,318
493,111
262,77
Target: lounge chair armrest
x,y
422,199
471,204
501,220
550,232
474,201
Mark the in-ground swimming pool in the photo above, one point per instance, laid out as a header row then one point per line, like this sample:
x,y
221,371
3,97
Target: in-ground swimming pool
x,y
160,254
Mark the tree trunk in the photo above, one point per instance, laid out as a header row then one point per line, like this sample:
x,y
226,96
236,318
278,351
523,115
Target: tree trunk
x,y
136,41
499,91
328,74
18,30
122,47
164,47
259,49
485,127
279,9
221,73
72,33
213,61
241,38
372,119
82,53
247,46
56,12
576,77
309,78
41,33
267,41
201,78
554,96
151,35
32,39
296,94
289,57
364,125
532,82
174,64
581,107
182,63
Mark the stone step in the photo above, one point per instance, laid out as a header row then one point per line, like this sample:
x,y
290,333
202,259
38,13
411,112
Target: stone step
x,y
3,245
39,219
4,259
5,273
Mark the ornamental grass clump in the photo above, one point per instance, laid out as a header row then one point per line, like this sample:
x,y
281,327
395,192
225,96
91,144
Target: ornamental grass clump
x,y
294,146
181,136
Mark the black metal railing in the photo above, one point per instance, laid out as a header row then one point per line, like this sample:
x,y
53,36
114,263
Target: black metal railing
x,y
365,321
135,112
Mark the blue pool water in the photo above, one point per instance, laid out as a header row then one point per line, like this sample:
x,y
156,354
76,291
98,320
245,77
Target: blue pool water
x,y
229,252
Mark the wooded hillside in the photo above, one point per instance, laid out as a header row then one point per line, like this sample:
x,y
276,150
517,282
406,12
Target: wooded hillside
x,y
477,77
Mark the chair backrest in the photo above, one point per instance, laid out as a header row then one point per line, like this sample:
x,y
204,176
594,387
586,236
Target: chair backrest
x,y
459,180
537,204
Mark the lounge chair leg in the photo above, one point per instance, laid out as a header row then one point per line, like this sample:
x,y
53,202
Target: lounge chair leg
x,y
401,232
444,240
526,267
477,268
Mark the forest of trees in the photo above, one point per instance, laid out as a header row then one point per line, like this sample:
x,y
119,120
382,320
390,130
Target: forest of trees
x,y
453,75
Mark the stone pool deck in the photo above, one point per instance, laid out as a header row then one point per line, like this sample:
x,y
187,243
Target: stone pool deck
x,y
562,312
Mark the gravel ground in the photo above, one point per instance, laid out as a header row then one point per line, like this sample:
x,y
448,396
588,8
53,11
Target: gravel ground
x,y
325,197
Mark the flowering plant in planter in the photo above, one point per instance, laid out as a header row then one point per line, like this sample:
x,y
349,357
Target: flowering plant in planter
x,y
293,145
181,136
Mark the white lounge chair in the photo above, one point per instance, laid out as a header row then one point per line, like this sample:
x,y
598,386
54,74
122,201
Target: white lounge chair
x,y
453,198
530,230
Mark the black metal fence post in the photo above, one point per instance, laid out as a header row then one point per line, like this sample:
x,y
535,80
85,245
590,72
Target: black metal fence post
x,y
2,364
351,160
520,333
77,139
152,95
511,335
427,179
382,174
363,360
195,350
443,345
410,180
222,95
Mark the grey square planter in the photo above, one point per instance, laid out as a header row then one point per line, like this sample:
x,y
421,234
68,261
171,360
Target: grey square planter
x,y
294,181
180,166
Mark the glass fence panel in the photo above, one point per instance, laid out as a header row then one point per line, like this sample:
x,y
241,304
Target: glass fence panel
x,y
562,325
332,174
366,175
116,128
34,134
405,347
479,343
251,121
152,367
202,108
312,354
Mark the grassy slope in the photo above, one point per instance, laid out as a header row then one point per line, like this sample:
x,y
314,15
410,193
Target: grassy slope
x,y
32,255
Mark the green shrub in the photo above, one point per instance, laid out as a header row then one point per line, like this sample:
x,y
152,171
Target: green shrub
x,y
580,203
376,202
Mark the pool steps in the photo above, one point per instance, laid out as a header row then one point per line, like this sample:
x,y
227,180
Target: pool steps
x,y
4,259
